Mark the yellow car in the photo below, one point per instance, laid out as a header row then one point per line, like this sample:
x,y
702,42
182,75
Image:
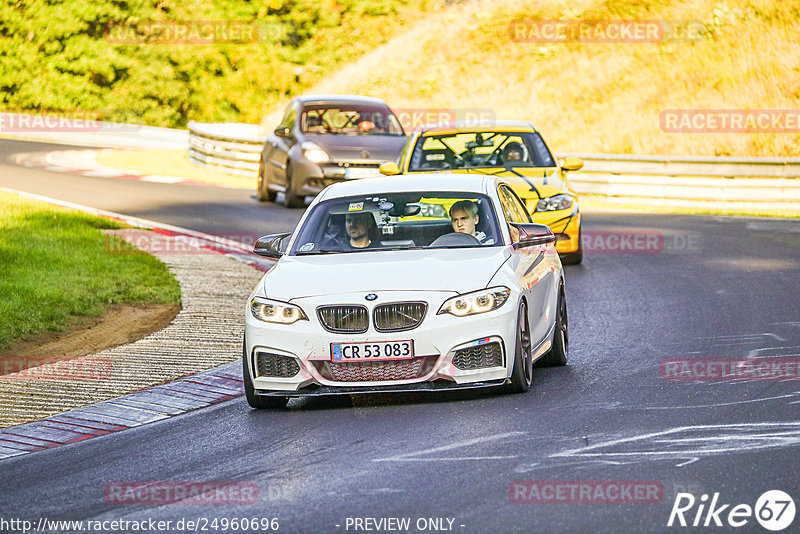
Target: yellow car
x,y
514,150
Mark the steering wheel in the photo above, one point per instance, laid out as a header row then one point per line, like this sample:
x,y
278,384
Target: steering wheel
x,y
455,239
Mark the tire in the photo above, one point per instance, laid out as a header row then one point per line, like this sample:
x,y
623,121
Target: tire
x,y
263,191
256,401
522,374
290,200
574,258
559,352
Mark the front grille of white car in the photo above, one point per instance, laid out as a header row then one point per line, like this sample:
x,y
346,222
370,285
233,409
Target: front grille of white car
x,y
376,371
276,365
480,357
397,316
345,319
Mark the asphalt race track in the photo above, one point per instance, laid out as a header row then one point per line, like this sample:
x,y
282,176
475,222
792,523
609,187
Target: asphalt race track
x,y
699,287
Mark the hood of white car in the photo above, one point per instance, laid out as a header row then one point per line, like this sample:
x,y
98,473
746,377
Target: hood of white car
x,y
456,270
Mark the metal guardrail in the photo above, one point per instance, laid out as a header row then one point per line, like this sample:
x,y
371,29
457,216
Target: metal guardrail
x,y
233,147
763,183
749,183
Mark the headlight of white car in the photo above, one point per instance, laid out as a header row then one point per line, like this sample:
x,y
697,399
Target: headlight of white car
x,y
476,302
314,152
273,311
557,202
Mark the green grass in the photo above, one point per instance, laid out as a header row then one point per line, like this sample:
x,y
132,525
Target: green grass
x,y
55,267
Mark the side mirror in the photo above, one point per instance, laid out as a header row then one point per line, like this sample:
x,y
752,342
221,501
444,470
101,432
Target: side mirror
x,y
270,246
572,164
532,234
389,168
282,131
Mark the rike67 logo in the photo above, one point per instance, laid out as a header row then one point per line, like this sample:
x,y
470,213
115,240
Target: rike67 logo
x,y
774,510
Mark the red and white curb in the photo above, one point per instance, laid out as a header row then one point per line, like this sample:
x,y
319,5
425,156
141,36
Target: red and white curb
x,y
84,162
147,405
135,409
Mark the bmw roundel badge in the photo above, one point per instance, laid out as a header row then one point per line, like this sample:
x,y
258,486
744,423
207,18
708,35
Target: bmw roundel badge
x,y
371,296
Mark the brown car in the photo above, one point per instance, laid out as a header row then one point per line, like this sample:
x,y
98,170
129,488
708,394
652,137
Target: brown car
x,y
326,139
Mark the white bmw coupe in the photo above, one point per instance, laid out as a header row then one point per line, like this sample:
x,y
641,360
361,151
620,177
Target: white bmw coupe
x,y
405,283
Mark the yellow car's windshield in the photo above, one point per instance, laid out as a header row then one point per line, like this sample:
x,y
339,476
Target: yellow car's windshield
x,y
479,150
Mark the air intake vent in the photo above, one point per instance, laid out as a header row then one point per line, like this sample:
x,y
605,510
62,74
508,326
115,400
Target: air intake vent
x,y
276,365
479,357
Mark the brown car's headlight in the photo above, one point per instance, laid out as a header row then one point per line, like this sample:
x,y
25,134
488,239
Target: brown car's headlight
x,y
314,153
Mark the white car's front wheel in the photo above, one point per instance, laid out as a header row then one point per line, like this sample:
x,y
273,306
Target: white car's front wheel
x,y
560,351
522,374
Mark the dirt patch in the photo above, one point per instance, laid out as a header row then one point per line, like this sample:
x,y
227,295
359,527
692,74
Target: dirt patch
x,y
121,324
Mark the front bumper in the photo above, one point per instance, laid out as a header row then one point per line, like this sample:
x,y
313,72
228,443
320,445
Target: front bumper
x,y
437,340
418,387
566,224
319,176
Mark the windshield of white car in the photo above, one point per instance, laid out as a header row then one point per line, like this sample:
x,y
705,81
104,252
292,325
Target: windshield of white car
x,y
397,222
474,150
342,119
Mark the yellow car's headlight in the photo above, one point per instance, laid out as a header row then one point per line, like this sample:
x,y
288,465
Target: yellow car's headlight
x,y
476,302
273,311
556,202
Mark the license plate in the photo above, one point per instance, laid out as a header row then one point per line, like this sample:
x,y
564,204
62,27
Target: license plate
x,y
361,172
375,351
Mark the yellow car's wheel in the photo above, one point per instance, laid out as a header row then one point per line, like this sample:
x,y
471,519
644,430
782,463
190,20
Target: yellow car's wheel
x,y
573,258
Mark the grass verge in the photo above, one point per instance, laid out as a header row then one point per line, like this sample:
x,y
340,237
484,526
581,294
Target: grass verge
x,y
170,163
56,268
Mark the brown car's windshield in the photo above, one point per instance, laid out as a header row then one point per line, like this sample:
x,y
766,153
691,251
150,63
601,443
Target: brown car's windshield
x,y
480,150
349,120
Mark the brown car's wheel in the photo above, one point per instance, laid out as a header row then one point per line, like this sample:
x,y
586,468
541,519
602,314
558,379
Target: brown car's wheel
x,y
290,199
264,192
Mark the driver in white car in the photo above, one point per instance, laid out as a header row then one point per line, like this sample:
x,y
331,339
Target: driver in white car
x,y
464,216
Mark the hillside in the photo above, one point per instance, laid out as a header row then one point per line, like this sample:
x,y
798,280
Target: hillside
x,y
165,62
488,59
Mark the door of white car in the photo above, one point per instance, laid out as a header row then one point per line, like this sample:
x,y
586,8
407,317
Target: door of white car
x,y
532,269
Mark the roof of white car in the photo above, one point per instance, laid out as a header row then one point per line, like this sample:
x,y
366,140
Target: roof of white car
x,y
473,183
